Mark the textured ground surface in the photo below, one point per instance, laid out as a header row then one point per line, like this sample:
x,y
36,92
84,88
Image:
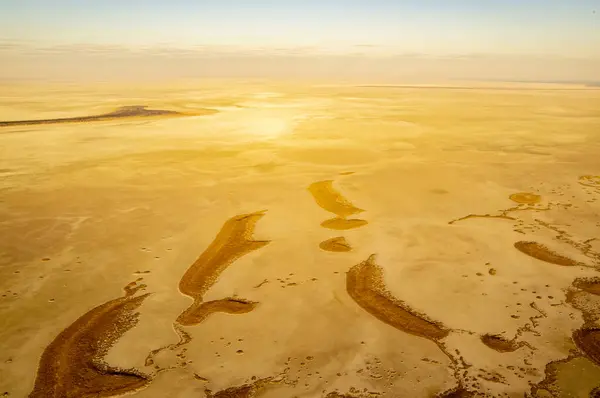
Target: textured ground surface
x,y
287,240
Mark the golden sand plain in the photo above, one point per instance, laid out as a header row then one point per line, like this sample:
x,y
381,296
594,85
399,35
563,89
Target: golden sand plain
x,y
299,240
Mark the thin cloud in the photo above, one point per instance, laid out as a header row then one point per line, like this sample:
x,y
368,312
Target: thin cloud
x,y
83,48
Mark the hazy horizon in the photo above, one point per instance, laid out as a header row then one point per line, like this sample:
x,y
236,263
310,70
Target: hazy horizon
x,y
370,41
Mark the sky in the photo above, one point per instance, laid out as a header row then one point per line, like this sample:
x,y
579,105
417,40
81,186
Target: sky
x,y
498,38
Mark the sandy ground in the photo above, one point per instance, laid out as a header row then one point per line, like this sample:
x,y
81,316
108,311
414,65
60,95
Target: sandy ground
x,y
254,228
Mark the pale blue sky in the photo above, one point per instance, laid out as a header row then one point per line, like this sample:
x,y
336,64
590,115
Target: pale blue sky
x,y
566,28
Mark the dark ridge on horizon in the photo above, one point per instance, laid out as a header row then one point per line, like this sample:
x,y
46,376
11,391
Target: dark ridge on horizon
x,y
122,112
480,88
585,83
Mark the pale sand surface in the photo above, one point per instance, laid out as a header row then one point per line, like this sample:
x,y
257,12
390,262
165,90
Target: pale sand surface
x,y
87,208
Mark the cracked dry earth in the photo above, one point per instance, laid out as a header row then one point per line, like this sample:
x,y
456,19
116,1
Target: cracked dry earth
x,y
292,240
